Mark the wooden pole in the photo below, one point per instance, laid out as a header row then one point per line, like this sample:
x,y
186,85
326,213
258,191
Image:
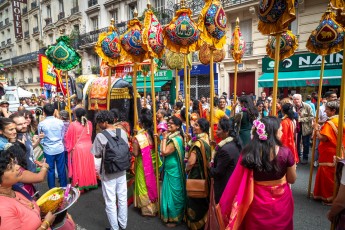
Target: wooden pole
x,y
188,86
276,71
153,96
235,84
177,87
145,83
68,98
316,120
186,93
109,88
211,94
135,93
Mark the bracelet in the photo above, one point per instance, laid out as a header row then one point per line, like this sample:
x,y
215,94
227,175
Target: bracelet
x,y
46,221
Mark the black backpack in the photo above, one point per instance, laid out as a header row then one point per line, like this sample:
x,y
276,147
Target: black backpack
x,y
117,157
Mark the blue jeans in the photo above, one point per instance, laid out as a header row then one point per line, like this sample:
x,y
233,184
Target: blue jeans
x,y
306,145
59,159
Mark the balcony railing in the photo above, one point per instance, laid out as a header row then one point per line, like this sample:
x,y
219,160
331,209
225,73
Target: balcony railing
x,y
7,21
92,2
249,49
75,10
3,44
91,37
34,5
26,34
35,30
25,58
30,80
196,5
61,15
25,10
48,21
2,1
38,79
9,41
12,82
1,24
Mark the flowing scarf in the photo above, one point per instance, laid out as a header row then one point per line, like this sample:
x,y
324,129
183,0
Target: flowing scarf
x,y
149,172
236,198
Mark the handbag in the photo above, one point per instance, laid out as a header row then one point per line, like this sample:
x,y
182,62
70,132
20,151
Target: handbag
x,y
212,221
198,188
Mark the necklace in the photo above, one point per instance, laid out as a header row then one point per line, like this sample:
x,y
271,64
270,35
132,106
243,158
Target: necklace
x,y
223,142
171,136
12,194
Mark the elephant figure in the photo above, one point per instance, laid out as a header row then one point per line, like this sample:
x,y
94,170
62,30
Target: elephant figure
x,y
94,92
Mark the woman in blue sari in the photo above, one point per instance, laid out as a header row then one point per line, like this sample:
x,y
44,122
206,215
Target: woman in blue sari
x,y
173,196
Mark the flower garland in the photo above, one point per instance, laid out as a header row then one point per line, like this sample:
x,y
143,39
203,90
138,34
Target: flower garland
x,y
223,142
171,136
259,127
194,139
244,109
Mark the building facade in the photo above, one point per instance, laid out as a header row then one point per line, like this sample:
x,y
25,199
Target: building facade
x,y
42,22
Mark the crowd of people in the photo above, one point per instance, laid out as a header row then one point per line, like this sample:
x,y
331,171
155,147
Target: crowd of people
x,y
248,158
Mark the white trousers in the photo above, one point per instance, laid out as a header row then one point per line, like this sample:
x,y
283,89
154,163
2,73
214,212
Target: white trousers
x,y
117,213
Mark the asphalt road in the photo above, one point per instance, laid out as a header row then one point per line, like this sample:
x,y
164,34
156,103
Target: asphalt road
x,y
89,211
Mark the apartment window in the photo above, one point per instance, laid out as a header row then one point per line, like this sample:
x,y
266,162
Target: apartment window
x,y
94,23
75,3
49,12
36,20
115,15
159,5
26,25
61,8
51,39
96,60
131,7
294,25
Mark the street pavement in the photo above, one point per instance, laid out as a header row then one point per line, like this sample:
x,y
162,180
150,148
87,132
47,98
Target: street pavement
x,y
89,211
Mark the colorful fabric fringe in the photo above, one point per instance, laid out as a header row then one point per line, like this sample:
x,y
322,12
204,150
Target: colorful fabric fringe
x,y
328,36
176,60
152,35
132,43
275,16
212,24
181,34
288,45
108,46
62,55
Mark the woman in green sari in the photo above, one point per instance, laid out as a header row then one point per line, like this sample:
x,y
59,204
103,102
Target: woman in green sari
x,y
146,193
198,149
173,196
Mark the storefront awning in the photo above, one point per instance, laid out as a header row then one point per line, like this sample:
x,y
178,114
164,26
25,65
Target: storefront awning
x,y
158,86
331,77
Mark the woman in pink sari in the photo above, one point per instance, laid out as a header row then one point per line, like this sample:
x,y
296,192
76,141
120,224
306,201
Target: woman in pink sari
x,y
81,164
145,192
258,195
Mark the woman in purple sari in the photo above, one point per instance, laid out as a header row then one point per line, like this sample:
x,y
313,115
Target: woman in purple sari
x,y
258,195
145,192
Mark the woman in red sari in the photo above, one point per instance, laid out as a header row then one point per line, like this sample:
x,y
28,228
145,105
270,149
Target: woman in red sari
x,y
81,164
258,195
289,125
324,181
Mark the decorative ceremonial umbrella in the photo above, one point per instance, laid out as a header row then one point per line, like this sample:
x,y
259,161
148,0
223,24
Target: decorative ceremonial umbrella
x,y
133,51
288,44
212,24
237,48
108,48
181,36
275,17
153,44
327,38
64,58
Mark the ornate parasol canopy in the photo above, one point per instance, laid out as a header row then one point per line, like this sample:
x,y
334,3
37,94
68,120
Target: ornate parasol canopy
x,y
238,45
288,45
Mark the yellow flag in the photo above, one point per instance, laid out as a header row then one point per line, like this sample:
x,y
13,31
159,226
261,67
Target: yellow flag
x,y
47,71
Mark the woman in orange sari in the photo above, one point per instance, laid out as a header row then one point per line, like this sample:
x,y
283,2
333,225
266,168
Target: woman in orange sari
x,y
324,182
288,125
258,195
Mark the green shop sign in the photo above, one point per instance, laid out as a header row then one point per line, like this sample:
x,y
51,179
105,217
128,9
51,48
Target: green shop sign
x,y
302,62
160,75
